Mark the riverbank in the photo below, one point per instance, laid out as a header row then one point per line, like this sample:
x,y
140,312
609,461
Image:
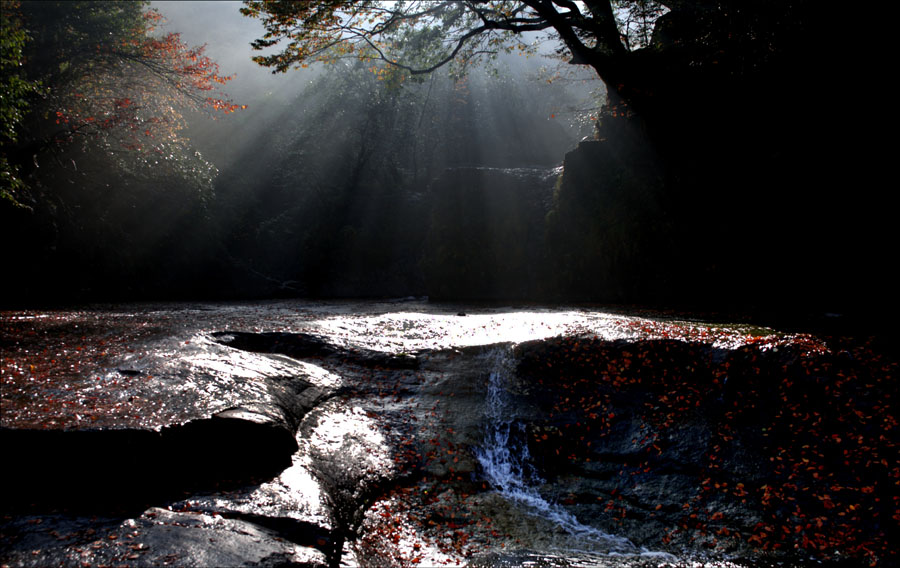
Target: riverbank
x,y
312,433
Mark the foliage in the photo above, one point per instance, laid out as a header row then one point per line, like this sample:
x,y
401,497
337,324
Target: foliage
x,y
15,90
114,83
636,20
662,60
103,150
412,38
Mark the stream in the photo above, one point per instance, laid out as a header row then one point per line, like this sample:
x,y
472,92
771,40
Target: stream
x,y
408,433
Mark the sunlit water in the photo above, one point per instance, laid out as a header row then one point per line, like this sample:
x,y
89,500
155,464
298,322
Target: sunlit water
x,y
506,465
171,352
418,326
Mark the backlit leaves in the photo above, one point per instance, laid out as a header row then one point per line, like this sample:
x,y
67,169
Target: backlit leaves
x,y
118,84
403,38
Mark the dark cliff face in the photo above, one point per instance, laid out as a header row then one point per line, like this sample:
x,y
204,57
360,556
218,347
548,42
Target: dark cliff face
x,y
721,222
773,448
606,231
485,241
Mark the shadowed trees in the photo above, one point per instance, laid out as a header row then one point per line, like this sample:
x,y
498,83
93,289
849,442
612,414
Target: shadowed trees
x,y
338,201
112,82
96,170
653,56
764,191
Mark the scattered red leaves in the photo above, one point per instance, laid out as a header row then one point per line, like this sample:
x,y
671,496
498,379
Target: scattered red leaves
x,y
55,370
819,413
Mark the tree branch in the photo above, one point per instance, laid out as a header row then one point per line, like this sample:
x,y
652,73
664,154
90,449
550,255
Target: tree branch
x,y
412,70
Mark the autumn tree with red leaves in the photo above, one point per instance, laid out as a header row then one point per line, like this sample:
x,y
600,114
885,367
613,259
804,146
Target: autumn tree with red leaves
x,y
113,82
103,193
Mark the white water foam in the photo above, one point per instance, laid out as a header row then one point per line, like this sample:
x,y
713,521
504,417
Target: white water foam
x,y
506,463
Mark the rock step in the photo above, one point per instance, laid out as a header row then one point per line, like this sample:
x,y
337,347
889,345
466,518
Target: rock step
x,y
103,470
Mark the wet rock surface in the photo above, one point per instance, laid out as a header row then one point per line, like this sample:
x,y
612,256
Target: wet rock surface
x,y
160,537
315,434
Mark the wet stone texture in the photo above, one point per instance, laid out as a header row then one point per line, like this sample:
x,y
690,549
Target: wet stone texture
x,y
406,433
162,537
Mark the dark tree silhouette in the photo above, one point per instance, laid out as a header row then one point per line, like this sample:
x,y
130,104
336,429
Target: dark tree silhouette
x,y
652,55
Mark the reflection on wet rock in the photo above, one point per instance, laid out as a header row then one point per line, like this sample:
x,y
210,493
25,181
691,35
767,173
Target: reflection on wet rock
x,y
400,433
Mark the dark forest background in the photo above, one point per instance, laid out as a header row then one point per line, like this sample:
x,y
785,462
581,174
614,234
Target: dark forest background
x,y
756,186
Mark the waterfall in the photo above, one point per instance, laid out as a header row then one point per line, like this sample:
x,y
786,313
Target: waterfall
x,y
507,466
504,454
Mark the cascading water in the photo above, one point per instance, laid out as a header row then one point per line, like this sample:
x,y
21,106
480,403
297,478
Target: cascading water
x,y
504,455
506,463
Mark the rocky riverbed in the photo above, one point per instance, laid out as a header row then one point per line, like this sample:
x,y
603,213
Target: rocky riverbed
x,y
406,433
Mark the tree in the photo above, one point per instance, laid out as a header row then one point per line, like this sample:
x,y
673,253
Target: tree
x,y
737,103
113,82
15,90
646,51
109,189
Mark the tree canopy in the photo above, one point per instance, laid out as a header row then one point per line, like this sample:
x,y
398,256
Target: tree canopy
x,y
95,99
15,91
418,37
637,47
109,78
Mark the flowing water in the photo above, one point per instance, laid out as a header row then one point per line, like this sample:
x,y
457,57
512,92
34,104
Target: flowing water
x,y
507,465
339,375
